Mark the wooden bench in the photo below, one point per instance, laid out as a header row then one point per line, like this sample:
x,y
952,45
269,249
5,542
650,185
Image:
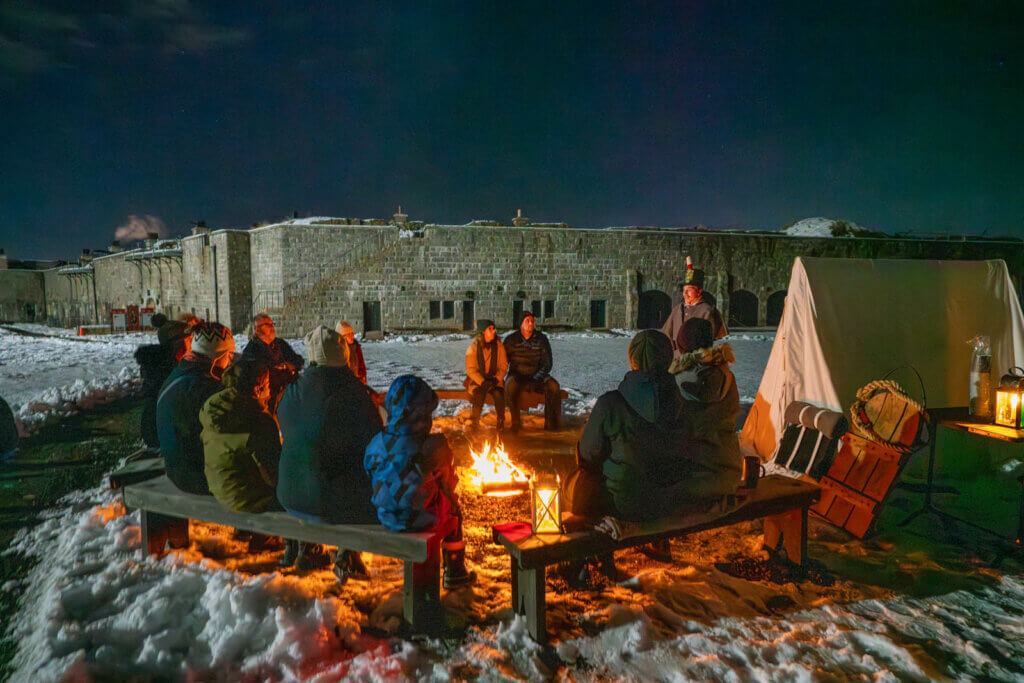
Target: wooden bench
x,y
165,512
527,399
135,471
781,501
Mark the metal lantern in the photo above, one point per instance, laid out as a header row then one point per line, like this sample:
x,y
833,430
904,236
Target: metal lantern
x,y
1009,399
546,503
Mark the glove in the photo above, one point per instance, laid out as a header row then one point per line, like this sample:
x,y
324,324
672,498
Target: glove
x,y
540,377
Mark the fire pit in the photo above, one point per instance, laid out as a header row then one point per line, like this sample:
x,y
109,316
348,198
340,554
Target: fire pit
x,y
492,474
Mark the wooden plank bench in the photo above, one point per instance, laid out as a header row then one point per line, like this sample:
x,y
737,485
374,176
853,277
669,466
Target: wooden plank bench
x,y
780,501
165,512
136,471
527,399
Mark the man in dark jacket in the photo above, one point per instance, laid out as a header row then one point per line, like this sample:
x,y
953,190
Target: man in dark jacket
x,y
695,304
195,379
267,348
8,432
413,475
327,419
156,362
529,369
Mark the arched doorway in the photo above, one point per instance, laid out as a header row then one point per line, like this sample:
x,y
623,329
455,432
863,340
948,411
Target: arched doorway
x,y
742,309
654,309
775,305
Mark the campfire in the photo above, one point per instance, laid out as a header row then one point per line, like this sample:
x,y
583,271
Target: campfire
x,y
493,474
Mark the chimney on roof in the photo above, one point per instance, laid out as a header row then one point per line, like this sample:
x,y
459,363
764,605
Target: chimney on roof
x,y
520,220
400,218
86,257
151,238
199,228
115,247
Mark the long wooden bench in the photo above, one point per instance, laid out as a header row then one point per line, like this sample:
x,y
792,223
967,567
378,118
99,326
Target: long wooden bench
x,y
139,469
527,399
165,512
781,502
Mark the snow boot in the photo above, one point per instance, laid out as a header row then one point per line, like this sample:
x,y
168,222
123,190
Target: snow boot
x,y
311,556
291,553
259,543
349,565
455,573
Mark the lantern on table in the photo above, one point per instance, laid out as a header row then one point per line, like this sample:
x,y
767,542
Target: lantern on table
x,y
546,503
1009,399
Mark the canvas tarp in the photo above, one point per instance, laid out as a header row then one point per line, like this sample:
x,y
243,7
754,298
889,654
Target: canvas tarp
x,y
847,322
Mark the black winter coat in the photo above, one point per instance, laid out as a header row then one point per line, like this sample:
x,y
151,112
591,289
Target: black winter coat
x,y
528,357
177,423
156,362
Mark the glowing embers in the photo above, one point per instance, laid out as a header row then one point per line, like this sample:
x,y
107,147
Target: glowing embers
x,y
493,474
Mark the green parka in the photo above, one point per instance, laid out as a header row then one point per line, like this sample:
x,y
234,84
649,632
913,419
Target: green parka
x,y
242,447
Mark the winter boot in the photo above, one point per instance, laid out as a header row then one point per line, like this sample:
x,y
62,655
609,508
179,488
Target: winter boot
x,y
259,543
577,574
291,553
311,556
349,565
455,572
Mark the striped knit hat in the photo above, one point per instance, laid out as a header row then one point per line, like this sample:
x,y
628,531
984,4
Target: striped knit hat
x,y
212,340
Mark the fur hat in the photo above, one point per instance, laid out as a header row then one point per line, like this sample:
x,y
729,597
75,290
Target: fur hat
x,y
326,347
694,276
482,324
212,340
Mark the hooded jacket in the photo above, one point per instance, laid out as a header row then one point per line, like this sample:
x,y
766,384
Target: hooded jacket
x,y
410,469
327,419
177,422
156,362
477,372
242,447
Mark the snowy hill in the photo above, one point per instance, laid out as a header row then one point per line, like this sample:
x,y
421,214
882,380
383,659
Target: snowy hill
x,y
827,227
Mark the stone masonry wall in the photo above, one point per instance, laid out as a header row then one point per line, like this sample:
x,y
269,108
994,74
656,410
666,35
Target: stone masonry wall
x,y
22,297
217,277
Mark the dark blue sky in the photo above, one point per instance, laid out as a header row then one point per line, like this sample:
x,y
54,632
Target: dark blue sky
x,y
899,116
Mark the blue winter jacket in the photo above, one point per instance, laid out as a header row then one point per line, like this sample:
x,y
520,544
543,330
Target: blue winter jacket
x,y
410,469
177,422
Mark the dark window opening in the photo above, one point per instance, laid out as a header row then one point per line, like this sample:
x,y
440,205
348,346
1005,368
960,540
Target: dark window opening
x,y
517,312
598,313
435,310
549,309
449,310
371,317
535,308
775,305
742,309
468,315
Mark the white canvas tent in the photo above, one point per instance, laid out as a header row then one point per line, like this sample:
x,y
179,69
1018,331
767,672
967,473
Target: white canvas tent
x,y
850,321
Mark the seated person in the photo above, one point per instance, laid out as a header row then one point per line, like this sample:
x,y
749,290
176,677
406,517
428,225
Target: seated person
x,y
156,362
486,366
8,432
355,352
275,353
241,440
195,379
412,474
529,368
711,399
327,419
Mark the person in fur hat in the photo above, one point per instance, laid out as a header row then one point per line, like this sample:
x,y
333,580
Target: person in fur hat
x,y
195,379
695,304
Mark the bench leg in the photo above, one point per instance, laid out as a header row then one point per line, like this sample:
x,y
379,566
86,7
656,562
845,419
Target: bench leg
x,y
158,529
792,528
421,591
528,598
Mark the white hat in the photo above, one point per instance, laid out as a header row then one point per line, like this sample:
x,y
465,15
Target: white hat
x,y
326,347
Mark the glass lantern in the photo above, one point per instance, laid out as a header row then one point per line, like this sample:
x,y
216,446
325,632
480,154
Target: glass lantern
x,y
1009,399
546,503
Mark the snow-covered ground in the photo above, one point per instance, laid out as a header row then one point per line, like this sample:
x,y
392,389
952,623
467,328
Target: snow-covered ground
x,y
91,608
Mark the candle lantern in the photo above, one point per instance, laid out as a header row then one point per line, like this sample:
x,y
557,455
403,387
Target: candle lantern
x,y
1009,399
546,503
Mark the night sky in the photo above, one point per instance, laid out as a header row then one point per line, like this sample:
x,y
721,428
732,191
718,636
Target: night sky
x,y
900,116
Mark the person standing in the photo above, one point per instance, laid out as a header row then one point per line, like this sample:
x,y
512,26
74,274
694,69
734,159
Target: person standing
x,y
529,360
695,304
195,379
276,354
355,352
486,366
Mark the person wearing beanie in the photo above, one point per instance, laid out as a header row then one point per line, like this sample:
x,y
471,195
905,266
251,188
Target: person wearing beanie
x,y
412,473
355,352
695,304
156,362
529,369
275,354
186,389
327,419
157,320
241,441
486,366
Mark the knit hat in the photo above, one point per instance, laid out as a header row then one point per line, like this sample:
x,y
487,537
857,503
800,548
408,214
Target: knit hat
x,y
212,340
172,332
482,324
650,352
524,315
344,328
326,347
157,320
694,276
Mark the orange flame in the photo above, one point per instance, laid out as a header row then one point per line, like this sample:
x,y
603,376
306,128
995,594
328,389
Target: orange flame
x,y
492,466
